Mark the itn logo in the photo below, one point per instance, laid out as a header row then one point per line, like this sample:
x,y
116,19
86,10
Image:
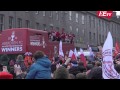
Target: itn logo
x,y
107,14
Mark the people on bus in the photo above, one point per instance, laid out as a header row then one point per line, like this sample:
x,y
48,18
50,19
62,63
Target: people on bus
x,y
53,35
57,36
67,38
71,37
63,36
49,35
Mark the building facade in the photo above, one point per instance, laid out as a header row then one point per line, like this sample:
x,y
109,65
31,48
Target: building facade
x,y
86,25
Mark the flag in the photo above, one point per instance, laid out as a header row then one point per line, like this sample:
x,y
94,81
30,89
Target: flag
x,y
61,54
91,52
72,55
75,52
117,49
82,58
81,51
91,58
108,71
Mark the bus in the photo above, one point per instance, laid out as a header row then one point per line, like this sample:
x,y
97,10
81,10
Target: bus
x,y
21,40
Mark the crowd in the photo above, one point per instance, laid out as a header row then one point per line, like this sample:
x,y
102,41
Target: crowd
x,y
64,37
39,66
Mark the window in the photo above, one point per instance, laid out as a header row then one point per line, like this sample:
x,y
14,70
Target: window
x,y
81,40
51,27
70,15
27,22
83,19
99,24
108,27
44,13
44,27
1,22
83,32
76,30
76,17
19,22
94,36
102,25
100,38
57,28
10,22
51,13
70,28
90,36
37,12
90,21
77,41
112,27
105,27
94,22
37,25
57,15
103,38
113,40
116,29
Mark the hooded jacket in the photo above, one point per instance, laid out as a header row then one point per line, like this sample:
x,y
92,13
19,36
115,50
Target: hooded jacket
x,y
41,69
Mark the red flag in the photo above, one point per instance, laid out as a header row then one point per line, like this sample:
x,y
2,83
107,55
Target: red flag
x,y
73,57
83,59
117,49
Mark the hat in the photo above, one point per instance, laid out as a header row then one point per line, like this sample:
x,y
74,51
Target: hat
x,y
5,75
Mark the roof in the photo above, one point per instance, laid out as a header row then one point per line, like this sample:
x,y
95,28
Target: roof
x,y
27,29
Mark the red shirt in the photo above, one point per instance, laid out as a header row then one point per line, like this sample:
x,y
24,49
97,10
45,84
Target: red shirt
x,y
63,35
5,75
57,34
